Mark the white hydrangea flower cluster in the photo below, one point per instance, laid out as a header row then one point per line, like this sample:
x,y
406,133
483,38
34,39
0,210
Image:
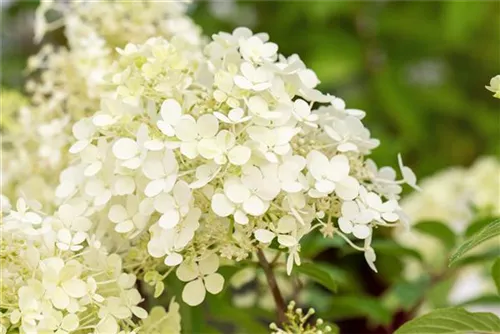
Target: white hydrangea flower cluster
x,y
215,153
50,283
69,80
456,196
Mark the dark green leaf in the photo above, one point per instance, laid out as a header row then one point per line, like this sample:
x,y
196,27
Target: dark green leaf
x,y
390,247
437,230
477,225
489,231
246,319
321,273
405,295
482,257
354,306
453,320
489,299
314,243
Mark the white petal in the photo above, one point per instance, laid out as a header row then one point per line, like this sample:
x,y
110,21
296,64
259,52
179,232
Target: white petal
x,y
169,219
236,192
83,129
208,148
139,312
347,189
125,148
194,292
154,145
240,217
103,120
182,192
64,236
93,169
70,322
286,224
325,186
164,202
78,146
117,213
221,205
133,163
154,188
370,258
102,198
173,259
214,283
350,210
75,288
390,216
264,236
361,231
317,164
239,155
255,206
242,82
187,271
60,299
287,240
124,185
190,149
170,111
221,117
345,225
207,125
209,265
165,128
186,130
156,248
153,169
289,264
339,167
125,226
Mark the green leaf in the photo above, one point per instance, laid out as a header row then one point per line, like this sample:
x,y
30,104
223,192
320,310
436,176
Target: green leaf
x,y
320,273
437,230
453,320
477,225
405,295
192,318
246,319
390,247
495,272
314,243
489,231
482,257
484,300
355,306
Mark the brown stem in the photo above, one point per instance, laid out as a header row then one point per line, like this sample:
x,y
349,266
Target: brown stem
x,y
271,280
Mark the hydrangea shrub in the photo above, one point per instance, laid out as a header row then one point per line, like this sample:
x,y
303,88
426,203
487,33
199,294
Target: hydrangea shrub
x,y
157,153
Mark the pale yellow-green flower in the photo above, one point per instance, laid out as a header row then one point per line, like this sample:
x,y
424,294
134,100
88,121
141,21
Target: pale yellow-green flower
x,y
495,86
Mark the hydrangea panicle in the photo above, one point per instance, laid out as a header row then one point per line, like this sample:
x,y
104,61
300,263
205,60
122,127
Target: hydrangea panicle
x,y
224,150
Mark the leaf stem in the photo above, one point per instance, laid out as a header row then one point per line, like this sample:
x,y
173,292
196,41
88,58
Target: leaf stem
x,y
273,285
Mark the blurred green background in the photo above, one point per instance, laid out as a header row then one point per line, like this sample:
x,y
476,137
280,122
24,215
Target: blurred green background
x,y
417,68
